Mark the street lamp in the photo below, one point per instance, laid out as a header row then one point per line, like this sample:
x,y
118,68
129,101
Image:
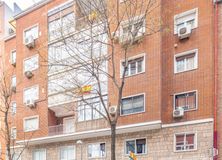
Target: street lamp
x,y
79,142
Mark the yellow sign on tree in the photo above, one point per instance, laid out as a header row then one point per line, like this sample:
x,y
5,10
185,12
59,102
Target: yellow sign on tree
x,y
132,156
93,15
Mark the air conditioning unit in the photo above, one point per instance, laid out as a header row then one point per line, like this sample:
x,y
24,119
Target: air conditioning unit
x,y
112,110
178,113
184,31
30,103
29,74
11,31
13,63
13,88
30,42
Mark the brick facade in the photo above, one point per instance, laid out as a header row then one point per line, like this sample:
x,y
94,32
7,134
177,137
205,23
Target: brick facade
x,y
160,145
158,83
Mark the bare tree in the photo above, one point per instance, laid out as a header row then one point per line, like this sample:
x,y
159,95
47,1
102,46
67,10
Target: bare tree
x,y
85,50
7,91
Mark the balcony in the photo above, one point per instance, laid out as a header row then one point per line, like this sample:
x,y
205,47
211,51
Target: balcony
x,y
61,130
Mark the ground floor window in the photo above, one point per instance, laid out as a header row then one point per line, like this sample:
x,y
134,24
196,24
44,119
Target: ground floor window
x,y
96,150
185,142
137,146
67,153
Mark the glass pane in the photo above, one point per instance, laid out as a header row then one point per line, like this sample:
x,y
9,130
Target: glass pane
x,y
141,146
139,66
133,68
127,106
191,100
190,63
130,146
102,149
138,103
180,65
180,101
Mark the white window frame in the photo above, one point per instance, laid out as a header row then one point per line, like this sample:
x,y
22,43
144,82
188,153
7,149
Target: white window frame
x,y
11,57
184,14
14,76
40,149
37,86
28,58
96,144
32,117
195,141
28,28
139,94
195,51
134,139
12,135
174,100
132,22
59,155
12,108
132,58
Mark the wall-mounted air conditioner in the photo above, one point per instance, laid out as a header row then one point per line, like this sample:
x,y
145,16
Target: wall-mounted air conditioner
x,y
112,110
30,103
30,42
178,113
28,74
184,31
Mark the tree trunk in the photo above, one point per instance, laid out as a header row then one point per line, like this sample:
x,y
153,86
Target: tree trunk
x,y
113,141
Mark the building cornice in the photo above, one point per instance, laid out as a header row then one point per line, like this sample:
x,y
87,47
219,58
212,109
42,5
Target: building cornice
x,y
9,37
187,123
106,131
94,133
32,8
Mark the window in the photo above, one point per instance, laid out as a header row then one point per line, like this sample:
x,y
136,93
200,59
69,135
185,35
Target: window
x,y
89,112
135,66
33,31
96,150
67,153
134,27
186,18
185,142
39,154
31,63
16,156
188,101
61,25
13,57
134,104
31,123
13,133
185,61
31,93
14,107
137,146
13,81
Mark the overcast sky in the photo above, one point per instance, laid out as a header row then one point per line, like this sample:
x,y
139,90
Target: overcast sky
x,y
22,3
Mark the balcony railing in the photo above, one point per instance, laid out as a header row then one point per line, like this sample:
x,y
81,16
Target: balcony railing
x,y
82,126
61,129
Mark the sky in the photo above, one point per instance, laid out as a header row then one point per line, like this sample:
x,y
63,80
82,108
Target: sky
x,y
23,4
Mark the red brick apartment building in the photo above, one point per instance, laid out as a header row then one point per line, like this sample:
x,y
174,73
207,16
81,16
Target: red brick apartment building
x,y
171,92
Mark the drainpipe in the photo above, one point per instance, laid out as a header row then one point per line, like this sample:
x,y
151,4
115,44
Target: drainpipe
x,y
215,149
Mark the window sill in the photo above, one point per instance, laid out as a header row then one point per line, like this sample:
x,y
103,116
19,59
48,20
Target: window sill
x,y
138,155
122,115
133,75
191,150
186,70
31,130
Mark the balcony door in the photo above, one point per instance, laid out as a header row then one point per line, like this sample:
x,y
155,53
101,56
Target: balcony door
x,y
68,125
